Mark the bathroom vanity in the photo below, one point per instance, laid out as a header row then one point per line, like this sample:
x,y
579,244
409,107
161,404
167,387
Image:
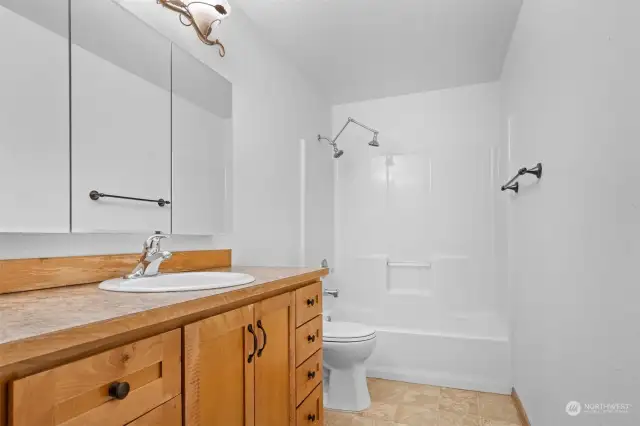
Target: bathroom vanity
x,y
77,355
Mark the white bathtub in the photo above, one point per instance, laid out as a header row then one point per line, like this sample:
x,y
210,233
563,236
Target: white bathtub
x,y
465,351
456,361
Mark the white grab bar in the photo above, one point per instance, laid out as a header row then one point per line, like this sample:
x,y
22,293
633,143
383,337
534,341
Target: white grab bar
x,y
409,264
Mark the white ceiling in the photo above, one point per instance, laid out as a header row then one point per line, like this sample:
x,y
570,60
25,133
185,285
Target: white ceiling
x,y
365,49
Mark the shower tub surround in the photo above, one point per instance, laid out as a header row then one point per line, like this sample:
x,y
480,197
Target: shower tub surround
x,y
420,243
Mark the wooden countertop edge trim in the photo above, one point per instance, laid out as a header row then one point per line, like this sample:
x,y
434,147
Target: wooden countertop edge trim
x,y
184,313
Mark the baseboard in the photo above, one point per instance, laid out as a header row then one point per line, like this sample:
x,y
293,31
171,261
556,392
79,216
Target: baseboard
x,y
524,419
444,380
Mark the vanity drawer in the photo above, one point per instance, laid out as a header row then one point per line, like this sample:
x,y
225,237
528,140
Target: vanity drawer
x,y
308,339
83,393
311,412
308,303
168,414
308,376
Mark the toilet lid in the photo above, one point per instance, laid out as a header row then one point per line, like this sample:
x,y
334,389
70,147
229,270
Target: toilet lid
x,y
346,332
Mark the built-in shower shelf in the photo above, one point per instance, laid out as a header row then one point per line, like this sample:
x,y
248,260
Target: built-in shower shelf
x,y
409,278
409,264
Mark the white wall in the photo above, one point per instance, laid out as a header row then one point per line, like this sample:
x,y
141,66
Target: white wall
x,y
428,194
571,96
273,108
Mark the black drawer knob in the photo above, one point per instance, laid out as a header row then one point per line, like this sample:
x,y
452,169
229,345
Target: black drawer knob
x,y
311,375
311,338
311,417
119,390
311,302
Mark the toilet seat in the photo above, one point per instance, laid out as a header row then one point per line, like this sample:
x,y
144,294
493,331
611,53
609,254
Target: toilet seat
x,y
347,332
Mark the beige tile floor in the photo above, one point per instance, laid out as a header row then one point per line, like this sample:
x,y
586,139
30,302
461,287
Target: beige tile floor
x,y
405,404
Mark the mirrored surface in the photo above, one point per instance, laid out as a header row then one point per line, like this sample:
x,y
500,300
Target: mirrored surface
x,y
96,99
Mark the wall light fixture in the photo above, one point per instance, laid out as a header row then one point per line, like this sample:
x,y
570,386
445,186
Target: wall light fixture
x,y
203,16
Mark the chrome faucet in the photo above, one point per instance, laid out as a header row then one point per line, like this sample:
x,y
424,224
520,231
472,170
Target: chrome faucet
x,y
151,258
334,293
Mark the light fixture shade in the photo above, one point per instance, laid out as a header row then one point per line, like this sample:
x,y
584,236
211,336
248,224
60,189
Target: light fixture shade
x,y
202,16
207,15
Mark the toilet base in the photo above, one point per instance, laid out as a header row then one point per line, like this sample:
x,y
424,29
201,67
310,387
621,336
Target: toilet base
x,y
347,389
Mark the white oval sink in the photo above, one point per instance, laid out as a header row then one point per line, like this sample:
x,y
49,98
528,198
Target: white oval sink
x,y
188,281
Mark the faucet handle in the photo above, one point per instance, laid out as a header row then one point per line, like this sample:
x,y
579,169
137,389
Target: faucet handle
x,y
153,242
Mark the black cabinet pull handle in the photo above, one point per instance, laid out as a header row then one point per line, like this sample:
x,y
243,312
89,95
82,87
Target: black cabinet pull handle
x,y
264,332
311,302
255,343
119,390
311,375
311,417
311,338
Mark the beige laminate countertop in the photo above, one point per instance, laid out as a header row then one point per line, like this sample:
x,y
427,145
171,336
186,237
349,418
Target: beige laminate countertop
x,y
42,322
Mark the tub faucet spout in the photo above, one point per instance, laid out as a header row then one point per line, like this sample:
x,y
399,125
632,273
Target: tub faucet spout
x,y
335,293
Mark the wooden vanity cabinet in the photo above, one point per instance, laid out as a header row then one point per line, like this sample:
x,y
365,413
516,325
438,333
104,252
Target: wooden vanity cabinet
x,y
251,366
239,366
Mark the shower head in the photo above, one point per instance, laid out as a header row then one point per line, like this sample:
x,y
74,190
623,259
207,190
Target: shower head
x,y
337,152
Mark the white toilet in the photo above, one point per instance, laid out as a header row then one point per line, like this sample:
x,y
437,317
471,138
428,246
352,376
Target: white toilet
x,y
346,347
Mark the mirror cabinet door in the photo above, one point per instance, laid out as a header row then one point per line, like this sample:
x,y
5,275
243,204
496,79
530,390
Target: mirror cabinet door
x,y
115,109
121,120
34,116
201,134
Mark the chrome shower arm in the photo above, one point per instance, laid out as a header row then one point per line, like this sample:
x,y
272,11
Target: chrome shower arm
x,y
340,132
326,139
374,131
351,120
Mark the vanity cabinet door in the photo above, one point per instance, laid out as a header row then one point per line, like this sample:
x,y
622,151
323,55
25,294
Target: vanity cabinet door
x,y
219,370
34,116
275,363
201,144
121,120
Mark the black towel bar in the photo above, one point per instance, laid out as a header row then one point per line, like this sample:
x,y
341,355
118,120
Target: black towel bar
x,y
515,186
95,196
